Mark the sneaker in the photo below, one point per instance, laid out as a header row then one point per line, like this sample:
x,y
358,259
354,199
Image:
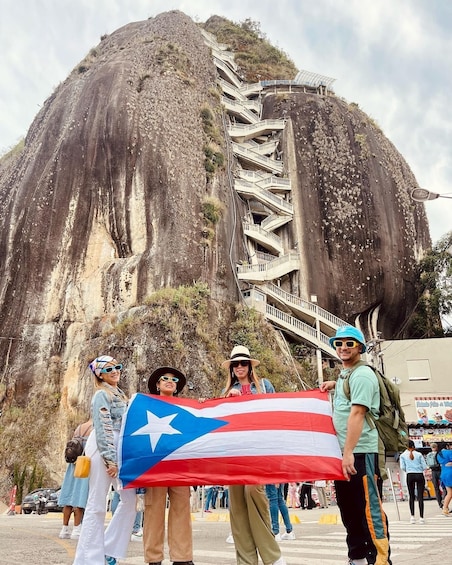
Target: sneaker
x,y
288,535
137,536
230,539
412,520
281,561
76,532
421,521
65,533
110,560
278,537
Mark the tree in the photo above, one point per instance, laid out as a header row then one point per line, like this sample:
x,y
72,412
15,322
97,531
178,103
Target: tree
x,y
436,278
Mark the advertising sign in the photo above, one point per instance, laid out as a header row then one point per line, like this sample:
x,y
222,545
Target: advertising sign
x,y
434,410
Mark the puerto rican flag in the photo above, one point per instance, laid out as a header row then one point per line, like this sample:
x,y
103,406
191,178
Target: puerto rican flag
x,y
257,439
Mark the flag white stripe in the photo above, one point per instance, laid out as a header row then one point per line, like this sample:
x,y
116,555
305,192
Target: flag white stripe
x,y
259,443
271,404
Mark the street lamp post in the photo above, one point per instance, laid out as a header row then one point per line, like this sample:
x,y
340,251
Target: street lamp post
x,y
422,195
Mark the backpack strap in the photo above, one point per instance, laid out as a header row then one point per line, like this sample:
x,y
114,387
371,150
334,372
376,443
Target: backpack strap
x,y
370,418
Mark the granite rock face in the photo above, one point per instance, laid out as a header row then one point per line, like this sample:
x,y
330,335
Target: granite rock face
x,y
359,233
104,204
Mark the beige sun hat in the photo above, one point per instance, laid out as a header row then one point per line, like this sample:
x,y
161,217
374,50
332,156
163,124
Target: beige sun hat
x,y
240,353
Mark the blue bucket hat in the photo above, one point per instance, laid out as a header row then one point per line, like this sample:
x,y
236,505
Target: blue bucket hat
x,y
351,332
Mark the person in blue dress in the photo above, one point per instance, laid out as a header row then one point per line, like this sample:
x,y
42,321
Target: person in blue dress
x,y
444,458
74,492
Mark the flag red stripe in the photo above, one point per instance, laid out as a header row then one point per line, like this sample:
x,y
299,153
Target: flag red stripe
x,y
306,421
306,394
270,469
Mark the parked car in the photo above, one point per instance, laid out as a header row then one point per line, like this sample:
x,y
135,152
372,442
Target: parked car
x,y
52,502
34,501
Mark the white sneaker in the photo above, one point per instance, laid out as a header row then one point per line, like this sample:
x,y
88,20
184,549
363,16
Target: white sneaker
x,y
421,521
412,520
65,533
76,532
137,536
230,539
281,561
278,537
288,535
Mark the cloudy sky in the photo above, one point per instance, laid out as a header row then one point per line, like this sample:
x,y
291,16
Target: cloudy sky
x,y
392,57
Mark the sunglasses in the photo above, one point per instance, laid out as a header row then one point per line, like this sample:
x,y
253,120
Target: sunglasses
x,y
117,367
235,364
169,379
348,343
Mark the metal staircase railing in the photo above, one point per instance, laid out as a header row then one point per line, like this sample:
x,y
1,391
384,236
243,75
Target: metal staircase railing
x,y
258,185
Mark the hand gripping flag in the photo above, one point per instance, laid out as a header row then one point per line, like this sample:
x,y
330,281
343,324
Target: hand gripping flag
x,y
258,439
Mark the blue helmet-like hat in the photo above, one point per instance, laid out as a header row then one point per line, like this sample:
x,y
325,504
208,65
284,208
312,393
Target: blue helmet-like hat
x,y
351,332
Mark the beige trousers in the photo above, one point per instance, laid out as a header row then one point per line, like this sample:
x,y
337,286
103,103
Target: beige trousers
x,y
250,525
180,540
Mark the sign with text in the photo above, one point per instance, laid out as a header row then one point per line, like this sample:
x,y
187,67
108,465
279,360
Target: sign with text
x,y
434,410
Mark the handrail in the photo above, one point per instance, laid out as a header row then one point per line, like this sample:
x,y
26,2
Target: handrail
x,y
277,200
263,178
262,267
240,109
229,72
275,181
288,298
225,56
261,255
275,221
272,164
262,124
298,326
265,148
227,86
268,234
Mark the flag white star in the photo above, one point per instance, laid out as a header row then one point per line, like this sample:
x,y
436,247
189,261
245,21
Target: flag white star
x,y
156,427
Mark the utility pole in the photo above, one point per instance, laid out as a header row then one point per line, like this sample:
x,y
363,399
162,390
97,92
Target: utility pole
x,y
376,355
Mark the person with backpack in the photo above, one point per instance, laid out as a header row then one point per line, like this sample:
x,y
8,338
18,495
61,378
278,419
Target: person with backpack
x,y
358,495
435,468
414,465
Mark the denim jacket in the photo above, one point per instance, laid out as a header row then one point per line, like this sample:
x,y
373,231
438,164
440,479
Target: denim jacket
x,y
108,406
265,383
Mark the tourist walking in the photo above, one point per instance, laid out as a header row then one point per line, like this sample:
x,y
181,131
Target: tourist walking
x,y
414,465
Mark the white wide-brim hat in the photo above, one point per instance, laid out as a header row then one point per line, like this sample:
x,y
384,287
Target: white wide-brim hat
x,y
240,353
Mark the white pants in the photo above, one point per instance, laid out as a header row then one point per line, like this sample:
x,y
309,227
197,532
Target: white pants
x,y
95,542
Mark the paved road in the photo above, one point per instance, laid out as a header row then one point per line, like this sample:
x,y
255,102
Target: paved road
x,y
320,539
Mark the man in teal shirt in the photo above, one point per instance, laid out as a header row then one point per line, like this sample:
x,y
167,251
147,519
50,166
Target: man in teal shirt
x,y
358,496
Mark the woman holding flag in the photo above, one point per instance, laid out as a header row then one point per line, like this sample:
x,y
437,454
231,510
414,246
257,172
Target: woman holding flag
x,y
109,402
166,381
248,504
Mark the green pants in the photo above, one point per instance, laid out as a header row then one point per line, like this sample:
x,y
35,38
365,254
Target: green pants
x,y
250,525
